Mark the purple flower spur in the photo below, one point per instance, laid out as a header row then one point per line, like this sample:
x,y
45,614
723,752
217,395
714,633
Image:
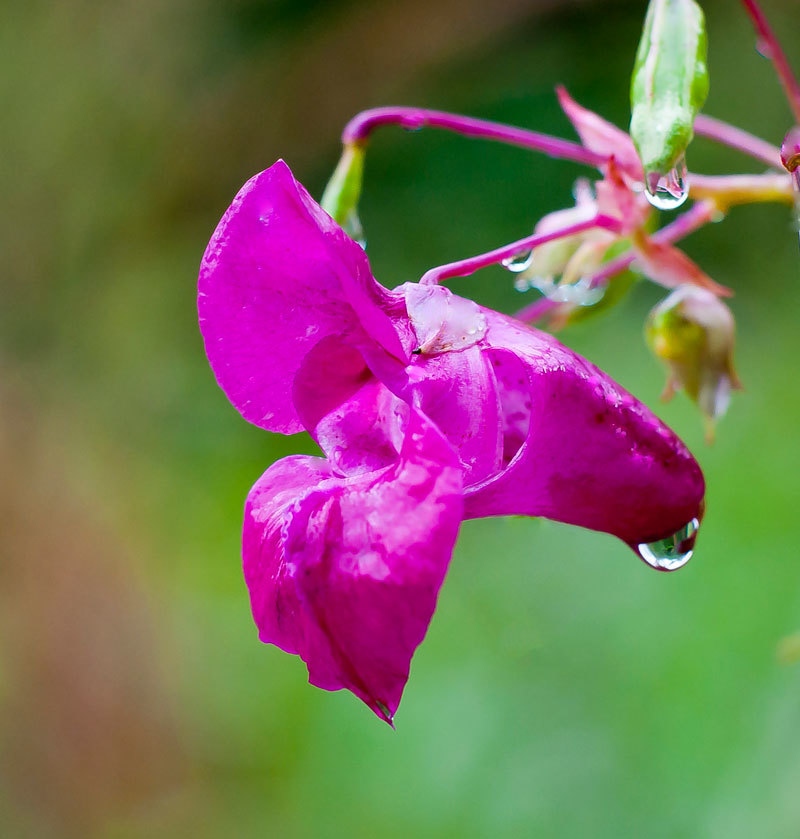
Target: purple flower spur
x,y
428,409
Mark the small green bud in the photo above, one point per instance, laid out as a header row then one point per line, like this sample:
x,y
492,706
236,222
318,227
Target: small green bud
x,y
668,87
341,195
693,332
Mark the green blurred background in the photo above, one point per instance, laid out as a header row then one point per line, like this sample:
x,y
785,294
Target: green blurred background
x,y
564,689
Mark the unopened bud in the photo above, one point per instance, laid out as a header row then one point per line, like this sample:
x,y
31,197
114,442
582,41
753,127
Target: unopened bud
x,y
693,332
668,87
340,198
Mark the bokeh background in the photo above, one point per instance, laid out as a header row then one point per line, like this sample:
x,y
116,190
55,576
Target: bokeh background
x,y
564,689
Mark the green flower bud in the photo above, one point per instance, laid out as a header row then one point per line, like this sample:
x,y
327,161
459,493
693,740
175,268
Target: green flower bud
x,y
668,87
340,198
693,332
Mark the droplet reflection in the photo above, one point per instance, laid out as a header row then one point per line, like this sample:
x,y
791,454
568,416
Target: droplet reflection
x,y
519,262
667,192
673,552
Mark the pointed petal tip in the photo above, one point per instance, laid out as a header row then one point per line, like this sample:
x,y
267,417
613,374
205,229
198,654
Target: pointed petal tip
x,y
382,711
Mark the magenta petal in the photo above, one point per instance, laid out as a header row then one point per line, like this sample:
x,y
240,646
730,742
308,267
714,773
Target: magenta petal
x,y
346,572
357,421
442,321
278,276
273,594
581,449
458,391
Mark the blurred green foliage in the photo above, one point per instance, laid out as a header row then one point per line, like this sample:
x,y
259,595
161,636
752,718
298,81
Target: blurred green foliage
x,y
564,689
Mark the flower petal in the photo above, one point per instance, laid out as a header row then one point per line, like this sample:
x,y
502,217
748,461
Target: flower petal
x,y
278,275
357,421
345,572
458,391
669,266
601,136
581,449
617,200
442,321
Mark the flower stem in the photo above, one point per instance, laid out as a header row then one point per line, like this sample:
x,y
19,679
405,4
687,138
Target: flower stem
x,y
728,190
736,138
465,267
699,215
770,46
535,311
362,125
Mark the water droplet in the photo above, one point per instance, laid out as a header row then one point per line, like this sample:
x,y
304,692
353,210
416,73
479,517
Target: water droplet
x,y
384,711
763,48
580,293
673,552
413,122
518,263
583,191
586,294
667,192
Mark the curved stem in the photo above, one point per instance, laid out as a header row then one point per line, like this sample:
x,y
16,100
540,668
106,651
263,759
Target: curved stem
x,y
736,138
362,125
769,44
465,267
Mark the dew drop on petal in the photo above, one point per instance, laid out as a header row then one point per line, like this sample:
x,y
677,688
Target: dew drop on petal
x,y
670,191
385,712
673,552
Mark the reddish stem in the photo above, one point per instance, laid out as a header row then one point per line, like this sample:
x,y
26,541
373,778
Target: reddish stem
x,y
699,215
736,138
535,311
465,267
363,124
770,46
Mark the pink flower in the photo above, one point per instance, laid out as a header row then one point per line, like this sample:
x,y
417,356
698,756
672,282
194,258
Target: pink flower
x,y
429,409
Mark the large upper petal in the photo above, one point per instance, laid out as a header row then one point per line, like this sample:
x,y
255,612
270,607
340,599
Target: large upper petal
x,y
345,572
278,276
579,448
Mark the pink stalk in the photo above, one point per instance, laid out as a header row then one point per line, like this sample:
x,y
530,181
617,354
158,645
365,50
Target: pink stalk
x,y
699,215
736,138
535,311
363,124
769,45
465,267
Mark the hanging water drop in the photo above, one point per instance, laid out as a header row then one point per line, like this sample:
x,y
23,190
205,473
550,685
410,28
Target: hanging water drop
x,y
667,192
413,122
518,263
673,552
